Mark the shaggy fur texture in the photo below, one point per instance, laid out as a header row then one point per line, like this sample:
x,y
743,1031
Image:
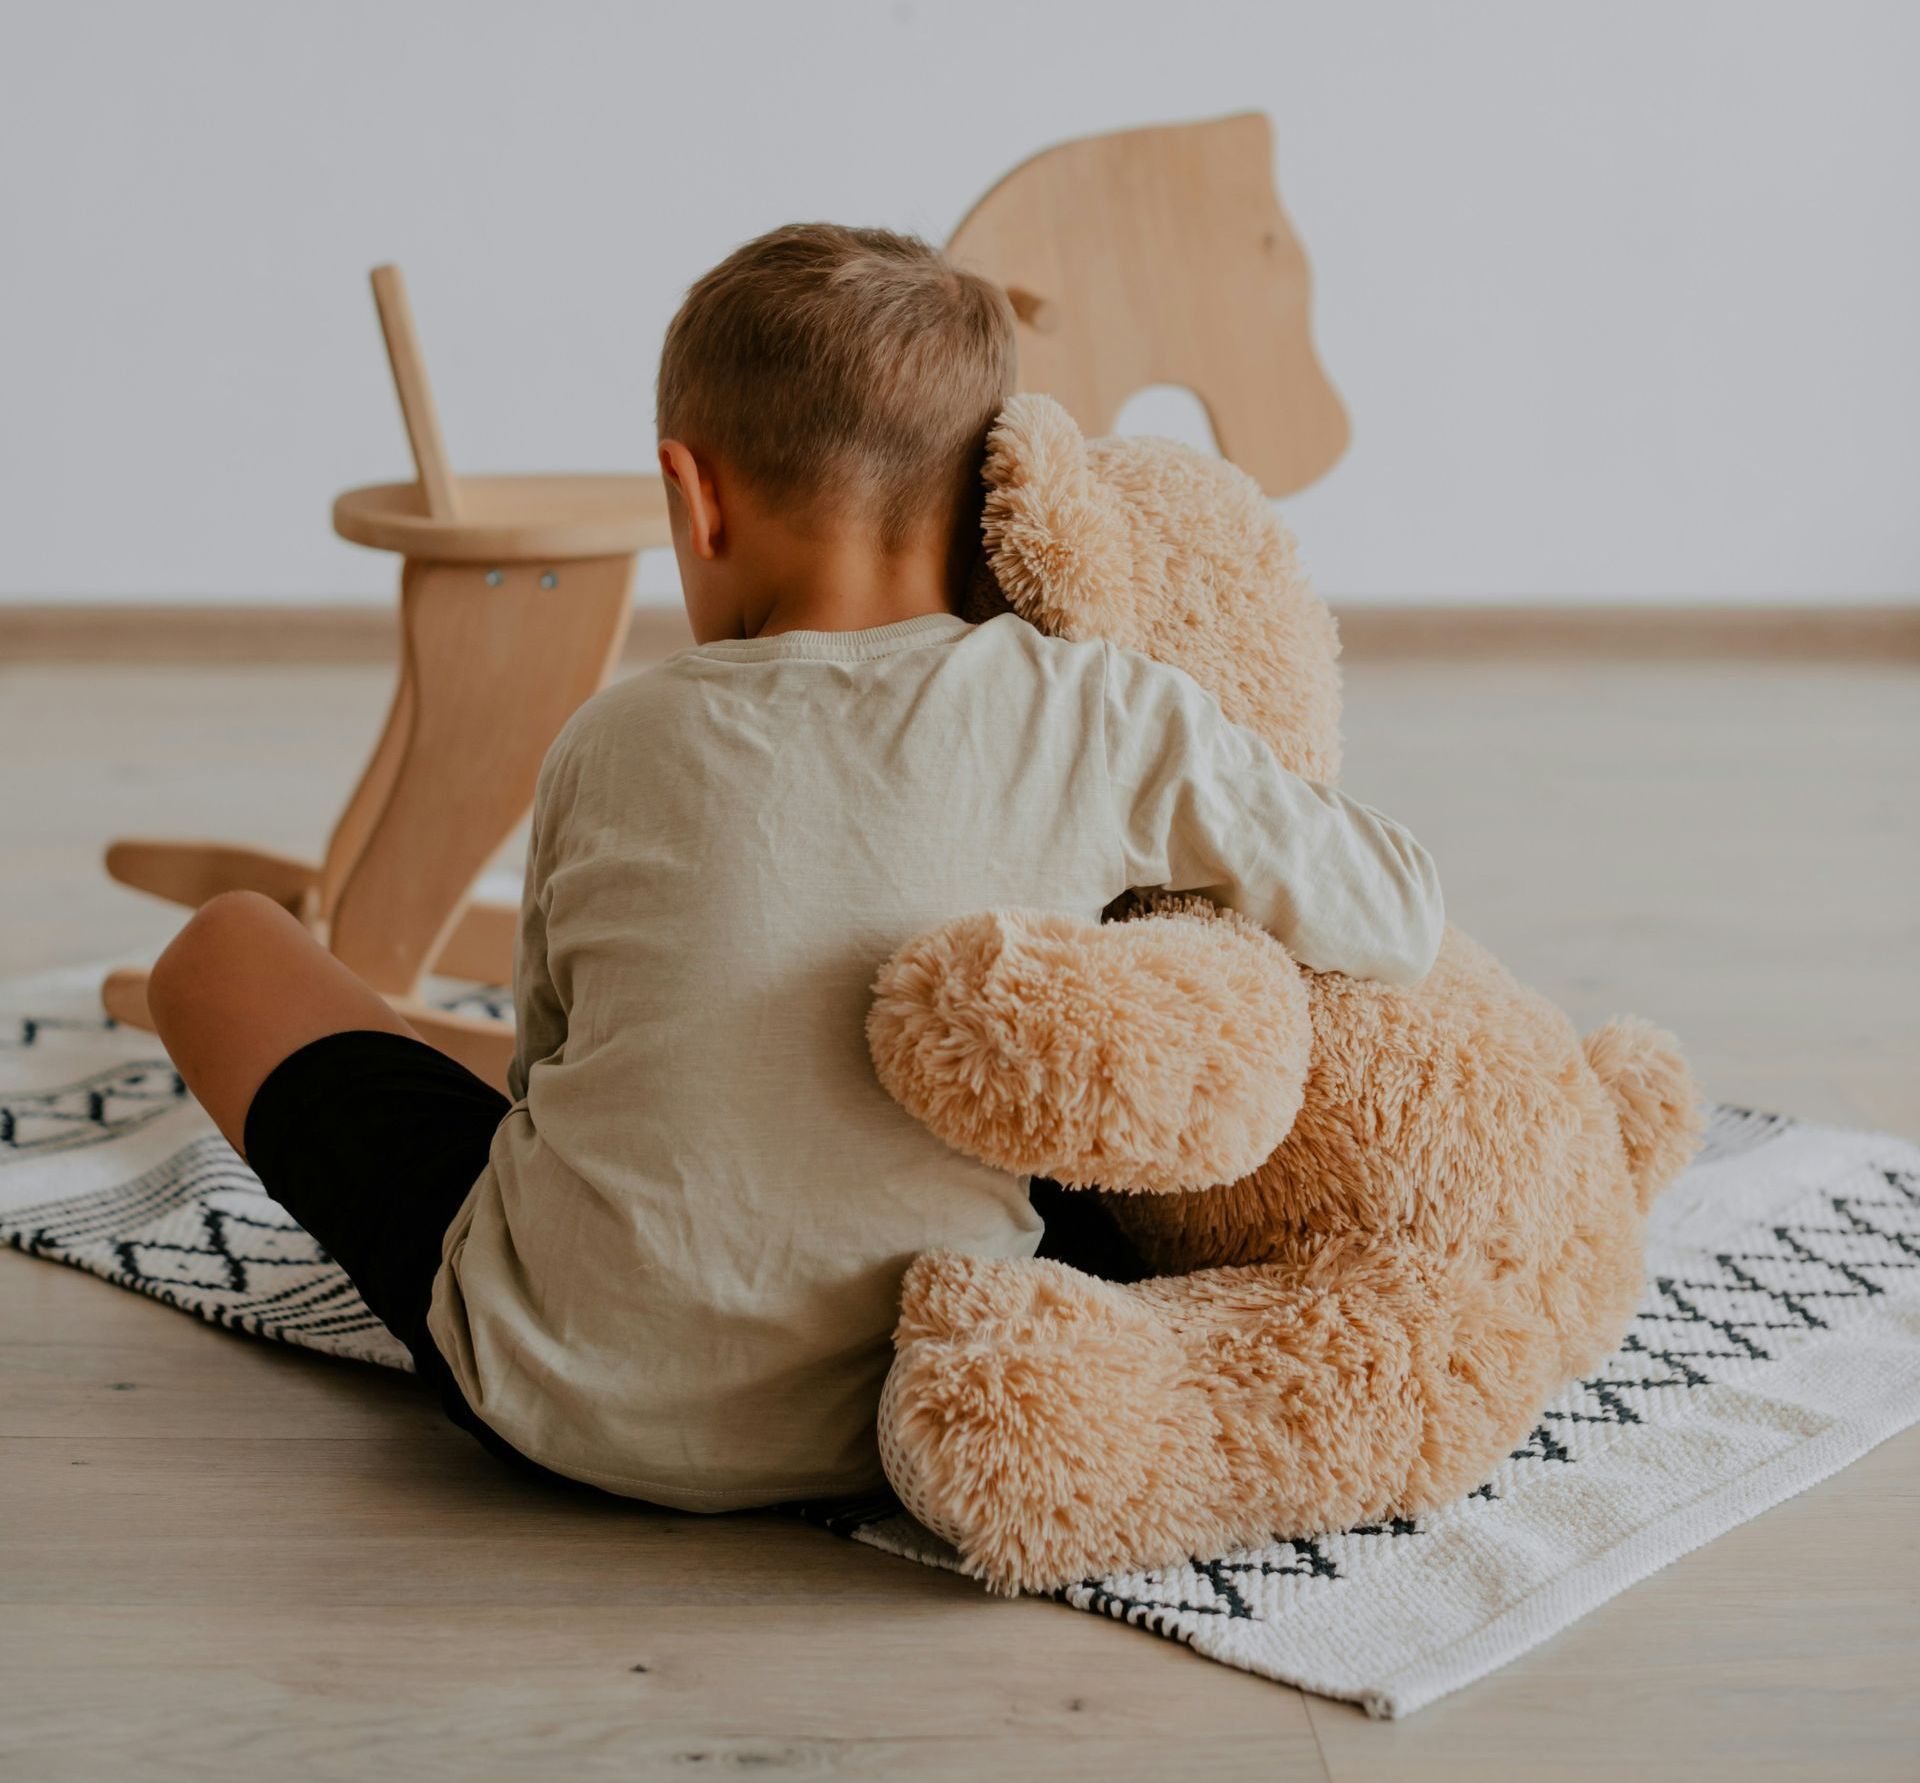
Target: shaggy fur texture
x,y
1142,1061
1364,1320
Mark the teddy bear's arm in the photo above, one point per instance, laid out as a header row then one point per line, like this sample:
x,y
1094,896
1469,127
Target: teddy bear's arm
x,y
1160,1055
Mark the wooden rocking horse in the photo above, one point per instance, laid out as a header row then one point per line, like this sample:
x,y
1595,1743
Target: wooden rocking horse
x,y
1153,256
513,606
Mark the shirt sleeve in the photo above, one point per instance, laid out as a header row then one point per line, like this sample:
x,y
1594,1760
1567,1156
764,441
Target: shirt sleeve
x,y
1205,806
540,1019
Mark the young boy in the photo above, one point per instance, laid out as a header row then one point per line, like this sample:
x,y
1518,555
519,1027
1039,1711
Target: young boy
x,y
669,1266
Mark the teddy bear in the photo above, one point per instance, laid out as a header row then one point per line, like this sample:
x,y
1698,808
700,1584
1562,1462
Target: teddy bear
x,y
1381,1227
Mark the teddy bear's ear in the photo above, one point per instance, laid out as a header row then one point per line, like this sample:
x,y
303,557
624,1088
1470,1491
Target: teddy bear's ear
x,y
1035,440
1057,537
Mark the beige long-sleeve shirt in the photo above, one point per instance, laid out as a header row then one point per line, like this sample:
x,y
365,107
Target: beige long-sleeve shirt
x,y
677,1276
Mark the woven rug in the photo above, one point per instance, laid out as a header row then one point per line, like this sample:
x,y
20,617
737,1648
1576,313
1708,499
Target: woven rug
x,y
1779,1339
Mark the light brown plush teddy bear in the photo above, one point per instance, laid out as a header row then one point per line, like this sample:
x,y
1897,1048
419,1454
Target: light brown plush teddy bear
x,y
1386,1225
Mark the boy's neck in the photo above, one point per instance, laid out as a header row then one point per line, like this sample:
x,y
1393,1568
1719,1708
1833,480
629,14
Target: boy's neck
x,y
843,584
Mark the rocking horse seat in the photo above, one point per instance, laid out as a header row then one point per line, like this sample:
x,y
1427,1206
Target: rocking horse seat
x,y
511,519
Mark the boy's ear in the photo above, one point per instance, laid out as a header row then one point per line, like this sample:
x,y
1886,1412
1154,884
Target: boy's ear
x,y
691,478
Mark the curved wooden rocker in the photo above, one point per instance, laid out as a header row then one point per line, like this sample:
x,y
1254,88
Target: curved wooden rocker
x,y
513,606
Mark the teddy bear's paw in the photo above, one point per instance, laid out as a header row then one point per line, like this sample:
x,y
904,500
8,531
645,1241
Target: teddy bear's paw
x,y
1157,1055
1036,1455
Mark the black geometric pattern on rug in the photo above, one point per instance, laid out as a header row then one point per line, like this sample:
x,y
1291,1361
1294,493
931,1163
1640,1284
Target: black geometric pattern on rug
x,y
1735,1130
492,1001
1840,1230
198,1232
102,1106
19,1033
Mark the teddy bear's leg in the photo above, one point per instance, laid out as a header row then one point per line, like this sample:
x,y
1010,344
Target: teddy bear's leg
x,y
1163,1054
1023,1418
1055,1428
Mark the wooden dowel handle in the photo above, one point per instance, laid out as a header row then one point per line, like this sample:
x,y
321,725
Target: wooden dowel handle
x,y
416,394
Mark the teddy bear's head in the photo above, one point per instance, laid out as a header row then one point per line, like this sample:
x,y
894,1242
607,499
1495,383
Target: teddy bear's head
x,y
1162,549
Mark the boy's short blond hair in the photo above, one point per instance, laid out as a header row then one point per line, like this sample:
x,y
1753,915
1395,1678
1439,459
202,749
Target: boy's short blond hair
x,y
849,373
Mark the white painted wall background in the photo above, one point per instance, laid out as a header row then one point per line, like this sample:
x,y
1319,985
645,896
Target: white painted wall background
x,y
1623,298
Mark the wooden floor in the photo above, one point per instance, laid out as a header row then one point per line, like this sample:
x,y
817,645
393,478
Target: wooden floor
x,y
222,1560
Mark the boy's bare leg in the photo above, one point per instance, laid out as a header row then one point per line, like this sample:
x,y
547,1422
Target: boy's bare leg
x,y
241,987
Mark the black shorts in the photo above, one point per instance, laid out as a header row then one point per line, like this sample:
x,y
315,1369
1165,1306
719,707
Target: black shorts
x,y
372,1142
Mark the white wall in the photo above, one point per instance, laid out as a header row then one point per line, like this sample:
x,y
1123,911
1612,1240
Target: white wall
x,y
1622,297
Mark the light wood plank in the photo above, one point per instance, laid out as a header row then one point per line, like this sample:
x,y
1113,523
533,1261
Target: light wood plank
x,y
523,1692
494,672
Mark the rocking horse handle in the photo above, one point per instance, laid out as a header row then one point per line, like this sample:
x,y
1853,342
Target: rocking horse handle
x,y
415,393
